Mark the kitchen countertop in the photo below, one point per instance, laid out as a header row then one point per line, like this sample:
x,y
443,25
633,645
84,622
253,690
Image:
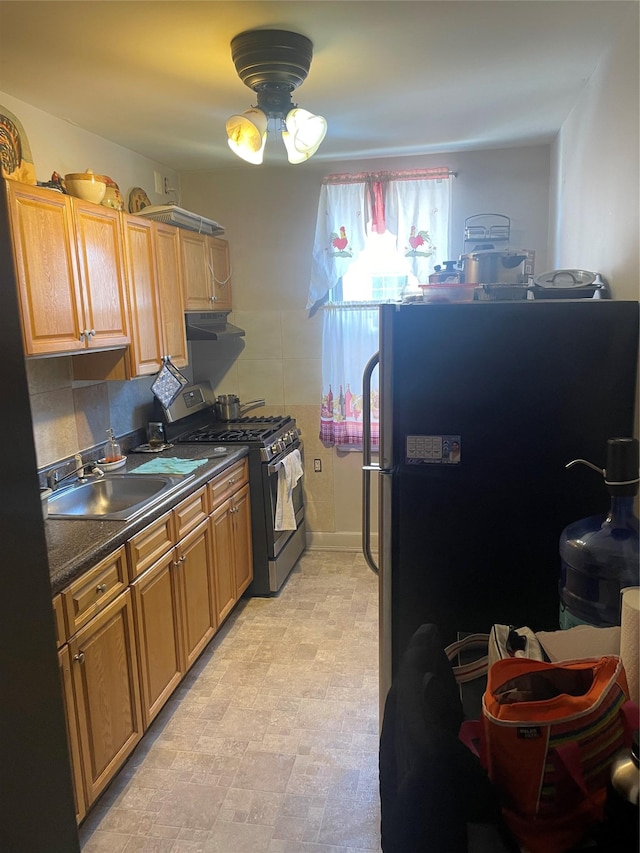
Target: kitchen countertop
x,y
74,545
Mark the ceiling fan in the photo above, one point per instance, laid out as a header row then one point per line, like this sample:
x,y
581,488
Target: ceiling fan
x,y
273,63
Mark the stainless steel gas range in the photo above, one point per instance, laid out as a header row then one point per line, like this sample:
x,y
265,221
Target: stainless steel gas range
x,y
191,419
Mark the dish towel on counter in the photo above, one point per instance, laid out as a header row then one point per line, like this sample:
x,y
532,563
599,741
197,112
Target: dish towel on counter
x,y
289,473
169,466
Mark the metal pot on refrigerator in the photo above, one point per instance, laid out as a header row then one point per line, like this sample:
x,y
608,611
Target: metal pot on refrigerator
x,y
495,266
228,408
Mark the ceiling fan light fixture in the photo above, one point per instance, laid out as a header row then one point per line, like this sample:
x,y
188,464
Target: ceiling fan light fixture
x,y
293,155
247,135
273,63
308,130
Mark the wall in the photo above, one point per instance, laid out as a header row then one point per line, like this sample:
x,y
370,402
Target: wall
x,y
269,214
69,416
595,181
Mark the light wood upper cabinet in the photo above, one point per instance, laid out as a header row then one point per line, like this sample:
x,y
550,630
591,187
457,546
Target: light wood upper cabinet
x,y
102,277
221,266
156,298
68,302
146,350
171,289
207,272
195,269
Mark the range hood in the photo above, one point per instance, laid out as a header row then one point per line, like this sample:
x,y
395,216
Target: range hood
x,y
210,326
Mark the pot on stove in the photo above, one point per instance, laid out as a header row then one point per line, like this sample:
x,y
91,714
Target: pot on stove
x,y
228,408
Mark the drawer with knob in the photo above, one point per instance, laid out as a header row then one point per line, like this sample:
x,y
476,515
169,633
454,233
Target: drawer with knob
x,y
225,484
94,590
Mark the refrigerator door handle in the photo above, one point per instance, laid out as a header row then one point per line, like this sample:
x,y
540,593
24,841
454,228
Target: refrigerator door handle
x,y
367,466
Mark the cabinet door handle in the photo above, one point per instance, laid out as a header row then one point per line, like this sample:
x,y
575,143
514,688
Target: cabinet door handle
x,y
102,587
82,334
79,658
91,333
232,481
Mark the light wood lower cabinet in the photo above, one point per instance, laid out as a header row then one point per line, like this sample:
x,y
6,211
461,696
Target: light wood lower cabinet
x,y
136,621
172,584
222,522
175,615
159,635
104,669
197,594
242,548
232,551
64,659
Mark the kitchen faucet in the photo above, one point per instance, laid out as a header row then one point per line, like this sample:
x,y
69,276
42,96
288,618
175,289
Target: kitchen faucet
x,y
82,469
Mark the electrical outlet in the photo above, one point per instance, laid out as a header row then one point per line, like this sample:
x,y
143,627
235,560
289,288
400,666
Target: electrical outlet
x,y
317,465
167,188
159,182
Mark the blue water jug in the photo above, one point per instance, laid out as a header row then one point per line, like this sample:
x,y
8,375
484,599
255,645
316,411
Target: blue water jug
x,y
599,555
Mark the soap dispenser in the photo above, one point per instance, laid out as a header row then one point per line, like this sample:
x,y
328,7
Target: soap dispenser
x,y
112,452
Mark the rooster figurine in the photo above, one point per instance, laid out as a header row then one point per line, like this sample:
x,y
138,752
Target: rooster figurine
x,y
340,242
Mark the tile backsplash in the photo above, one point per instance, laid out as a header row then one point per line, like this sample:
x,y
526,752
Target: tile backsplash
x,y
70,416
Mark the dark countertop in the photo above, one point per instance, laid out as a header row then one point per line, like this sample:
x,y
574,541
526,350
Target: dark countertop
x,y
74,545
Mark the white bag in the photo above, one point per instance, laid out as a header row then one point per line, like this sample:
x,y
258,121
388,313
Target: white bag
x,y
504,641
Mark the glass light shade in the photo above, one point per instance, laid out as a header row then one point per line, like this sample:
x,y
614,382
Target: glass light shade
x,y
293,155
306,129
247,135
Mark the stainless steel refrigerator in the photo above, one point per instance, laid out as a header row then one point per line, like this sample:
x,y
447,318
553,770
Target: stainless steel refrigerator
x,y
482,404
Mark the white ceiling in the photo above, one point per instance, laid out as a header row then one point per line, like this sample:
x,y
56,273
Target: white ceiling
x,y
391,78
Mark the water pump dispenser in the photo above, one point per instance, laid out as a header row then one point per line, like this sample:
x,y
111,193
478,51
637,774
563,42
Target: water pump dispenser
x,y
599,554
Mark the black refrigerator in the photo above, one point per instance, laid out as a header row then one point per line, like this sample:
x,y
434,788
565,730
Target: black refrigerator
x,y
482,405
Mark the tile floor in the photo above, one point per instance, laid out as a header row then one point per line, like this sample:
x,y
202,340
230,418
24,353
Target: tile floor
x,y
270,744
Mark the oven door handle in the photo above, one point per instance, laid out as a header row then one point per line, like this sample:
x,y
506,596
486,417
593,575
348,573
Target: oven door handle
x,y
272,467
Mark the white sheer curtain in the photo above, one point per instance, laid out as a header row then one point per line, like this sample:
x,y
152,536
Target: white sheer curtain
x,y
412,206
340,236
349,339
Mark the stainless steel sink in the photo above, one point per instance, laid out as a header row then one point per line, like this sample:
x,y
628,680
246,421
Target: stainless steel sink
x,y
118,497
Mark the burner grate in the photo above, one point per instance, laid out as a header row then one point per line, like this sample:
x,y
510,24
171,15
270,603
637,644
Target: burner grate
x,y
250,430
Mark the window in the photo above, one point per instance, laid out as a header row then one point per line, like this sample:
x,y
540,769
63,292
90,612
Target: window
x,y
378,237
379,274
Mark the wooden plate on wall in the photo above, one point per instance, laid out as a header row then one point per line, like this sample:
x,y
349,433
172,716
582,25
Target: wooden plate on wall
x,y
138,199
15,153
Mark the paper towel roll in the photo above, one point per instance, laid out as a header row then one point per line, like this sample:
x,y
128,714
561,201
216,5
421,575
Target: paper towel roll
x,y
630,638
